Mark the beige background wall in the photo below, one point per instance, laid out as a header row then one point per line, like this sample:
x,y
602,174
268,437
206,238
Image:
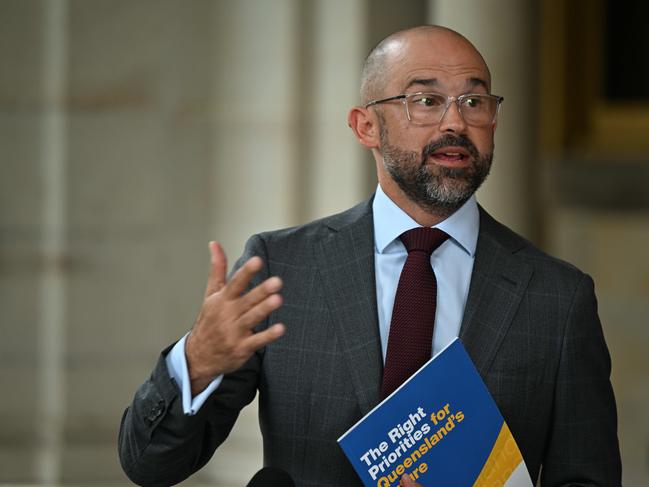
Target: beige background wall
x,y
132,132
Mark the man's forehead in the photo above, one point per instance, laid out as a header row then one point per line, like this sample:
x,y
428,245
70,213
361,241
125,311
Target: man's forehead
x,y
445,55
430,57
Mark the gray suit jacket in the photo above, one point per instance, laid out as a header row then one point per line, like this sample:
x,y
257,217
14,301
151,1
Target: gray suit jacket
x,y
530,326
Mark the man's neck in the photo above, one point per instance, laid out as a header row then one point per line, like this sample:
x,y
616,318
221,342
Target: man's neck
x,y
423,216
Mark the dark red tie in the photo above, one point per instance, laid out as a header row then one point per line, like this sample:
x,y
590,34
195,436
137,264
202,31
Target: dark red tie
x,y
413,315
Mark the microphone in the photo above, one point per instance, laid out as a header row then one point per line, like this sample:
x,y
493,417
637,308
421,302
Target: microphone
x,y
271,477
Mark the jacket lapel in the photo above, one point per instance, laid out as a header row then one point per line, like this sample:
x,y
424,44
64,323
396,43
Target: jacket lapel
x,y
345,259
498,283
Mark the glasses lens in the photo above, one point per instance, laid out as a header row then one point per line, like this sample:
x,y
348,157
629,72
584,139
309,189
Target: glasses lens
x,y
426,107
478,109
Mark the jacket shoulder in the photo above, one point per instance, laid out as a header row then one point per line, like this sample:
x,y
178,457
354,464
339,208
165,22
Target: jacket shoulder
x,y
308,233
522,248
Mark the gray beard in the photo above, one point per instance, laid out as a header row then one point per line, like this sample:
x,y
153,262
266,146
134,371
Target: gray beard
x,y
437,189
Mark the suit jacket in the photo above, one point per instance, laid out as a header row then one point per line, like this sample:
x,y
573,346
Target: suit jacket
x,y
530,326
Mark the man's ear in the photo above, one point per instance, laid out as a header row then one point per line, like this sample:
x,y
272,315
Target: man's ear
x,y
365,126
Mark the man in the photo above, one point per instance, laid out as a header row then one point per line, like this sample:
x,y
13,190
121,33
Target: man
x,y
316,352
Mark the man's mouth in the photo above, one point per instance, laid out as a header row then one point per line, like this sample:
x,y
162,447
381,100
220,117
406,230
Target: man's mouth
x,y
451,155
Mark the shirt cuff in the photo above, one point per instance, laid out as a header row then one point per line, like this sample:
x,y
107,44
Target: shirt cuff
x,y
177,367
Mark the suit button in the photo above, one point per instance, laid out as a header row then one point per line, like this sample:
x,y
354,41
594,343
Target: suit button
x,y
155,412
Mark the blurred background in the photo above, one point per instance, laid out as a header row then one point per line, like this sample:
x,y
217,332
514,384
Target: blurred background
x,y
134,131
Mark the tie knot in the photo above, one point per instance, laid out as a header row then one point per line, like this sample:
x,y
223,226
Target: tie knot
x,y
423,238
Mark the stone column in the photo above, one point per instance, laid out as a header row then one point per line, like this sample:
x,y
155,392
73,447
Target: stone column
x,y
31,137
337,171
52,329
254,107
504,32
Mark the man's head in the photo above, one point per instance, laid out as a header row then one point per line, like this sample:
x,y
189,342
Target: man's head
x,y
428,160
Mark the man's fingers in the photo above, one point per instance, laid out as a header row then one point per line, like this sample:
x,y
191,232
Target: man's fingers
x,y
240,280
256,295
406,481
218,269
260,311
257,340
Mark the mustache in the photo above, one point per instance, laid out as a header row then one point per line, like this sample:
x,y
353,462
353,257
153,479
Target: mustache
x,y
450,140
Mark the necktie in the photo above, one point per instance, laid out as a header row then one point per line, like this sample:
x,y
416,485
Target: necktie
x,y
413,314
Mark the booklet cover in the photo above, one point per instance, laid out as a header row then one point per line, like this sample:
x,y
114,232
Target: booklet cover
x,y
441,427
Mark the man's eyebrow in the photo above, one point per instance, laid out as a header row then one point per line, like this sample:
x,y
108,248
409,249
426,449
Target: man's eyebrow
x,y
470,83
473,82
420,81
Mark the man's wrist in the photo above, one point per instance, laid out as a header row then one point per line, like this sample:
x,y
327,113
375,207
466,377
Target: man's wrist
x,y
198,379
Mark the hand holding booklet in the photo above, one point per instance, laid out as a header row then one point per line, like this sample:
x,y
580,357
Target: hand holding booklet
x,y
441,427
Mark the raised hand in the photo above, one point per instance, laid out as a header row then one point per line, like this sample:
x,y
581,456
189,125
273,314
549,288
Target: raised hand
x,y
222,338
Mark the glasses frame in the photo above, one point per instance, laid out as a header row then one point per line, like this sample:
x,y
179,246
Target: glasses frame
x,y
449,99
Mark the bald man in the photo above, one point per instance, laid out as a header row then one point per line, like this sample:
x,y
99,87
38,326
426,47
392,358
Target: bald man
x,y
305,318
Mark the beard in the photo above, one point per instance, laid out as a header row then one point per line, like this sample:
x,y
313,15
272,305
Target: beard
x,y
437,189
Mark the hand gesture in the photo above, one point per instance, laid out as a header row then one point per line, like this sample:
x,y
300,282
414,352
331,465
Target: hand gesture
x,y
222,338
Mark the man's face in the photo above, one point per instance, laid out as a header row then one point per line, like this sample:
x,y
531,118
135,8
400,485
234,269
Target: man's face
x,y
437,166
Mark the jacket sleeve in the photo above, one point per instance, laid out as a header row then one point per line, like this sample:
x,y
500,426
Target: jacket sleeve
x,y
158,444
583,447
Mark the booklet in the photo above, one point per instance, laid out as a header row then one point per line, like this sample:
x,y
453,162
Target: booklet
x,y
441,427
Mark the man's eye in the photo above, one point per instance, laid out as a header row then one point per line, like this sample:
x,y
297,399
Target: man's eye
x,y
427,101
472,102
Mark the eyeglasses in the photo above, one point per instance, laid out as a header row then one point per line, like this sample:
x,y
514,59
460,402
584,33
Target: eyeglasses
x,y
477,109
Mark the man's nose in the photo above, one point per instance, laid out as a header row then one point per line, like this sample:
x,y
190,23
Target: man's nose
x,y
452,120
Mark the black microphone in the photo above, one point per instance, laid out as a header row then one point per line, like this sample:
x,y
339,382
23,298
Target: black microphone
x,y
271,477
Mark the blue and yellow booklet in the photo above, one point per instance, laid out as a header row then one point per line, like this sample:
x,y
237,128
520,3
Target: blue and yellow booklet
x,y
441,427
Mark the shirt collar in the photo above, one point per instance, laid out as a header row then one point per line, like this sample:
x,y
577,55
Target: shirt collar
x,y
390,221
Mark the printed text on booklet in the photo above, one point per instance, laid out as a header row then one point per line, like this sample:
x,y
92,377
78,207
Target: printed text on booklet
x,y
382,459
